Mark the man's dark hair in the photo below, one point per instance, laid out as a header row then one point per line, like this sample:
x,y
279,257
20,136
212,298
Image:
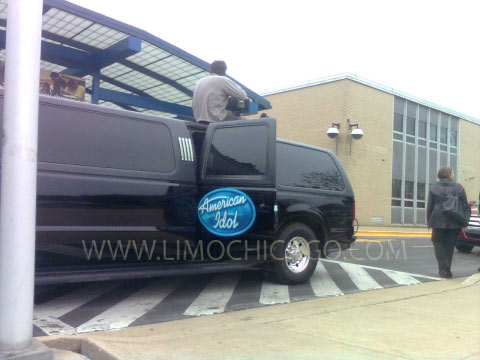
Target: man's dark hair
x,y
444,173
218,67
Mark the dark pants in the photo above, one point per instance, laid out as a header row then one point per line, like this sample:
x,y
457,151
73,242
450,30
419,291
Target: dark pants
x,y
444,244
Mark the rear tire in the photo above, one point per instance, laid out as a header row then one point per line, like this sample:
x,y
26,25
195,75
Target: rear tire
x,y
464,248
296,255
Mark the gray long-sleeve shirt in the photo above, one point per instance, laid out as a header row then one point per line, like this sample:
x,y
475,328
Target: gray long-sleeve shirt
x,y
210,97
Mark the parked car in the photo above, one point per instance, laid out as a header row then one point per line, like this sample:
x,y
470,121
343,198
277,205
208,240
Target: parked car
x,y
124,195
470,236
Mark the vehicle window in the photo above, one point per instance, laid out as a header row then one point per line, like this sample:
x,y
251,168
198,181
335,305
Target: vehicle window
x,y
307,168
240,150
74,137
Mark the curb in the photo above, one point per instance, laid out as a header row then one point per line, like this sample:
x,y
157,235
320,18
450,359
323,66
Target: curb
x,y
394,233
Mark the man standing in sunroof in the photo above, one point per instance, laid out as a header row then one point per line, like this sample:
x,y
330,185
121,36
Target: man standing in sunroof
x,y
212,93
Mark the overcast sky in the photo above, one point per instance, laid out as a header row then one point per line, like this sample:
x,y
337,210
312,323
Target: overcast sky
x,y
428,49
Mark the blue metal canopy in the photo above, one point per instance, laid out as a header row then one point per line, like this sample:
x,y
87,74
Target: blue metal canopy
x,y
122,66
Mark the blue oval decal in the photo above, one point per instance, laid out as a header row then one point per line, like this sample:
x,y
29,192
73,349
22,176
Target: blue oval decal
x,y
226,212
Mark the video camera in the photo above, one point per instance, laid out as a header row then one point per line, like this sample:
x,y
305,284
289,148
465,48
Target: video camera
x,y
238,106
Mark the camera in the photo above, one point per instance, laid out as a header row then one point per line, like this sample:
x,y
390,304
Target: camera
x,y
238,106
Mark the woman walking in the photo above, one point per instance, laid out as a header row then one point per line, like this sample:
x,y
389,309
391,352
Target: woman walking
x,y
444,229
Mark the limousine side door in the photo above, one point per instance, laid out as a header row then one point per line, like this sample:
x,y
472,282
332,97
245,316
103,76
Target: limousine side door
x,y
236,179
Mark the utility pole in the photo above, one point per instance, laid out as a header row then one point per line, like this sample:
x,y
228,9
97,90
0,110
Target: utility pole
x,y
19,180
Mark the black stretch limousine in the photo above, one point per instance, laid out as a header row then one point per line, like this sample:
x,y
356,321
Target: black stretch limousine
x,y
128,195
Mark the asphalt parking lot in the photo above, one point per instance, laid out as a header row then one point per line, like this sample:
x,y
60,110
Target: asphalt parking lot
x,y
407,254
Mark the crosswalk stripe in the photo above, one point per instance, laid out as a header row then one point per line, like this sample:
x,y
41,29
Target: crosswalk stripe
x,y
53,326
68,302
45,316
322,284
79,311
272,293
401,278
381,269
214,298
360,277
127,311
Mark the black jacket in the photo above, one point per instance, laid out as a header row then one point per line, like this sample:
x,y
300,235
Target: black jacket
x,y
438,192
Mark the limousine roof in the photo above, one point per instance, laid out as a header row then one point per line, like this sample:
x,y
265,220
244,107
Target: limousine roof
x,y
137,71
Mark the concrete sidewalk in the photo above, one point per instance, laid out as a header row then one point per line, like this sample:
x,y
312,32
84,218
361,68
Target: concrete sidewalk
x,y
436,320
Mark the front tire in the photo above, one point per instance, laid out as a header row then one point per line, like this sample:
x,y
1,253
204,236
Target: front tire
x,y
296,254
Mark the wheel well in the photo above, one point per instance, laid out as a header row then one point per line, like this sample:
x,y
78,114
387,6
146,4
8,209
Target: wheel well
x,y
310,222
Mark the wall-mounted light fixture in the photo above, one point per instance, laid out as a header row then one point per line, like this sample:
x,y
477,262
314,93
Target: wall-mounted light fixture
x,y
355,133
332,133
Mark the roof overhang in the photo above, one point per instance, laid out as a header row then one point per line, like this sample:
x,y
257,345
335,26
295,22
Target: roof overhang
x,y
123,66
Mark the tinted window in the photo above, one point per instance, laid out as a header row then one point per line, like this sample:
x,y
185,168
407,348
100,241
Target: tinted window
x,y
76,137
307,168
411,126
420,191
453,138
433,132
398,122
422,129
408,189
239,151
443,135
396,188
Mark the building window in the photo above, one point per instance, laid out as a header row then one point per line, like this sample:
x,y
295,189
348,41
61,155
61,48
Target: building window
x,y
398,137
398,122
410,126
443,135
415,128
420,191
396,202
422,129
396,188
453,138
409,189
433,132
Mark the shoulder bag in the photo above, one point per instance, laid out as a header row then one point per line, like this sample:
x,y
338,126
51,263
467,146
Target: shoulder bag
x,y
455,209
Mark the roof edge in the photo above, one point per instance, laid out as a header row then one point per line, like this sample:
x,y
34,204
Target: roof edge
x,y
358,79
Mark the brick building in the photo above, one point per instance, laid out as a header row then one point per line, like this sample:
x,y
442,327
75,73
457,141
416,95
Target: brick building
x,y
406,140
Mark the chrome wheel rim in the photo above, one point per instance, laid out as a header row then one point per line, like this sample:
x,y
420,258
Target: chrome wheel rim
x,y
297,254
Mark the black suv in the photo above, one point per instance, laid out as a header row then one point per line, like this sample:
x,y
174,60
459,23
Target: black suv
x,y
126,195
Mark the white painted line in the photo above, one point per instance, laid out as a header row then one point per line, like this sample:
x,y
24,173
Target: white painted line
x,y
377,268
360,277
54,326
64,304
127,311
274,294
322,284
45,316
214,298
401,278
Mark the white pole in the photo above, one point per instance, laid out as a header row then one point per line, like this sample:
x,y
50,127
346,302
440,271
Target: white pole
x,y
19,174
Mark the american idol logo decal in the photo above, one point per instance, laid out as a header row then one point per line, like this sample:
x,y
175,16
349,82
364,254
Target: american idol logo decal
x,y
226,212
